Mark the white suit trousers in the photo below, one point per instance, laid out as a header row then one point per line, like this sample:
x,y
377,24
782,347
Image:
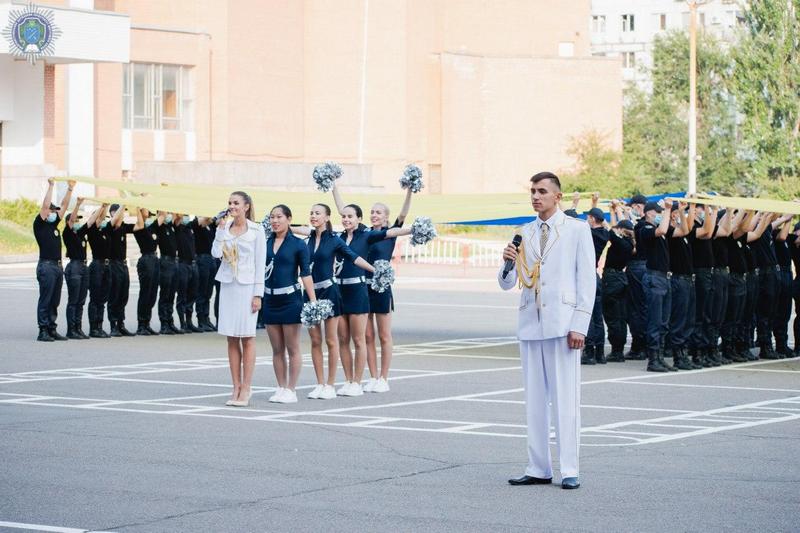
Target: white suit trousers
x,y
552,373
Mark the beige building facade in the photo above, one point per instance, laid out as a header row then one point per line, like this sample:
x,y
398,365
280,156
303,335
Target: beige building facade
x,y
479,93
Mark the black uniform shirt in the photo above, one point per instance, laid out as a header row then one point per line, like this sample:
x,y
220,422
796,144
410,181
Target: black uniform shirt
x,y
794,251
656,249
147,239
620,251
736,259
185,238
167,241
48,238
98,242
75,242
720,247
764,251
203,237
600,239
639,254
782,253
680,255
749,256
702,254
118,241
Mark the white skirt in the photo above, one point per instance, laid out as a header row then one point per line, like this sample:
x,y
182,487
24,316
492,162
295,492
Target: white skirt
x,y
236,317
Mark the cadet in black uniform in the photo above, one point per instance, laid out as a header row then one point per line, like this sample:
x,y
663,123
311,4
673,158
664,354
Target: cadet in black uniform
x,y
749,314
594,351
187,273
76,274
117,232
794,251
99,277
167,272
637,300
147,268
615,283
49,272
783,309
682,309
767,264
653,235
703,267
204,229
733,348
720,280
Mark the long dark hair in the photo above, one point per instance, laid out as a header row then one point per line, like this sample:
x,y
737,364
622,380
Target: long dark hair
x,y
327,209
284,209
357,209
249,201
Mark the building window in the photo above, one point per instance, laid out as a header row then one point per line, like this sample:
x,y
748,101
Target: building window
x,y
628,59
566,49
598,23
661,21
627,23
701,19
157,97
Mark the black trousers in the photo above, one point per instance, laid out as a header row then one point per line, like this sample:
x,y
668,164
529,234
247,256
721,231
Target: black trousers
x,y
187,287
50,276
766,304
99,284
749,313
615,293
783,309
681,320
77,277
734,314
704,303
119,291
637,302
206,270
167,285
596,335
147,268
659,307
719,307
796,296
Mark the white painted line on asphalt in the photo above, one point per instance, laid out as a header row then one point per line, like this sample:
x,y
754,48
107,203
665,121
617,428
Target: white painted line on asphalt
x,y
584,406
39,527
692,385
781,371
461,306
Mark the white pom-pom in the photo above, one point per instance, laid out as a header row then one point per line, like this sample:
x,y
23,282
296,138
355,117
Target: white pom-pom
x,y
313,313
325,174
412,179
383,277
265,223
422,231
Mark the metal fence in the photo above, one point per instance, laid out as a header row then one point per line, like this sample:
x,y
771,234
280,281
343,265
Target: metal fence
x,y
451,251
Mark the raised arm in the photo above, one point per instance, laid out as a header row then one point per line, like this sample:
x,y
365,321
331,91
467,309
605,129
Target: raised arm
x,y
744,223
663,228
397,232
97,212
763,223
139,219
74,215
119,216
725,225
44,211
100,214
614,217
337,198
304,231
707,230
67,197
406,206
787,226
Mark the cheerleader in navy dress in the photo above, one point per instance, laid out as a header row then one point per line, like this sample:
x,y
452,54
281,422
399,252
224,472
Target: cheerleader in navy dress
x,y
380,242
287,256
324,248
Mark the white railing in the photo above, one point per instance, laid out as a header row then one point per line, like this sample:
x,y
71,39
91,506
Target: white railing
x,y
451,251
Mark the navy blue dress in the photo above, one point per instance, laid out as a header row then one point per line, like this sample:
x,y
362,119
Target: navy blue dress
x,y
355,296
331,247
382,302
282,271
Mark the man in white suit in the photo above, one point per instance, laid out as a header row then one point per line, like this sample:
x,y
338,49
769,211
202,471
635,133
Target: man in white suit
x,y
555,266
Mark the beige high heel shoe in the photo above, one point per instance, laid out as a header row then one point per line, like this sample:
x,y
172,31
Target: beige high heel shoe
x,y
230,403
243,402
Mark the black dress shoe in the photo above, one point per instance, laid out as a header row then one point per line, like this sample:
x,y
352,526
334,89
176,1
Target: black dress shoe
x,y
570,483
530,480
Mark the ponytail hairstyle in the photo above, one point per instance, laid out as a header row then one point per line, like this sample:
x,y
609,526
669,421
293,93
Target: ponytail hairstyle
x,y
327,209
357,209
284,209
249,201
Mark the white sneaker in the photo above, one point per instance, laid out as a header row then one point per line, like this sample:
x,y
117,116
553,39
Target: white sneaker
x,y
344,388
370,385
354,390
328,393
316,392
287,396
278,392
381,386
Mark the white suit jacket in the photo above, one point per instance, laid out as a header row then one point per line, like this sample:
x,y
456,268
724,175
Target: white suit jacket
x,y
567,281
252,256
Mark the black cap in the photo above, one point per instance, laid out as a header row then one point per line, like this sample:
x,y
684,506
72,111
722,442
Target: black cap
x,y
54,207
597,213
637,199
797,227
113,208
625,224
653,206
571,213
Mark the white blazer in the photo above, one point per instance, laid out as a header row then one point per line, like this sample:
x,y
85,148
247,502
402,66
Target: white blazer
x,y
252,255
567,282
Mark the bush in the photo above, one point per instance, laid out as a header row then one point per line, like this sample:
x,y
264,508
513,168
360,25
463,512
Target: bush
x,y
20,212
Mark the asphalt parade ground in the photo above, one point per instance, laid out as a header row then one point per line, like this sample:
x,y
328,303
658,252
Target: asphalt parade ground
x,y
132,434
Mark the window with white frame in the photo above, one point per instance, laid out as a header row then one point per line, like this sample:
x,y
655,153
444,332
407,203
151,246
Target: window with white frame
x,y
628,59
157,97
661,21
598,23
627,23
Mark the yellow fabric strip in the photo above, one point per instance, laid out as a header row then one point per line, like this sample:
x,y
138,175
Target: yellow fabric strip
x,y
755,204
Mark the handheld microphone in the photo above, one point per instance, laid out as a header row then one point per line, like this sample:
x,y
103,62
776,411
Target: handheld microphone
x,y
516,241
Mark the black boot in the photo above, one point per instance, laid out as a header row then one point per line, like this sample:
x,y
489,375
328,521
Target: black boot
x,y
44,335
694,359
637,351
616,356
745,350
600,354
115,332
204,324
181,330
766,351
124,330
142,329
681,359
729,352
71,333
654,362
150,330
54,333
713,357
190,324
784,350
79,330
166,329
587,358
96,331
664,363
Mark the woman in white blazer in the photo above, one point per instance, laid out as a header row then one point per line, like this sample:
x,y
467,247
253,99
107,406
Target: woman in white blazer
x,y
241,245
